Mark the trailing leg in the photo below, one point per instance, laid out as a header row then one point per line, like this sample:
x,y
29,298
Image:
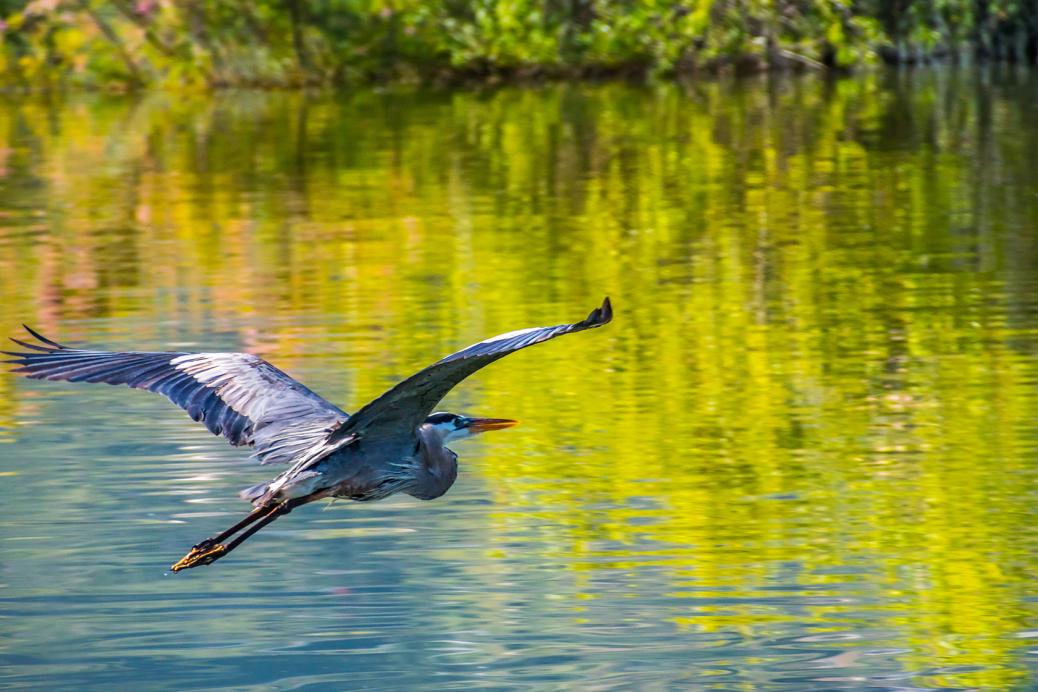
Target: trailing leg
x,y
212,549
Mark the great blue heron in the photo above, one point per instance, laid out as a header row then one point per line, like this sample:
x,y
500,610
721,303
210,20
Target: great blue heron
x,y
393,444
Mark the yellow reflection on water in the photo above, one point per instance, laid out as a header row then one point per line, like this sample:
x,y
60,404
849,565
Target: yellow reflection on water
x,y
821,376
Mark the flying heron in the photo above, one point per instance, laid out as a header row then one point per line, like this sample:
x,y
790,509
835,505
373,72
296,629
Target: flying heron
x,y
393,444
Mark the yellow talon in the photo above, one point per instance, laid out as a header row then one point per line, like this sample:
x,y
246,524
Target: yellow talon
x,y
197,556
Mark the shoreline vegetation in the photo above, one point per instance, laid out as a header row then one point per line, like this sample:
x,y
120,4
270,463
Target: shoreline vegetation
x,y
131,44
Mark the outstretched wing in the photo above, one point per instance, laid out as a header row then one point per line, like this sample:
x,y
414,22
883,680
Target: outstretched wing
x,y
237,395
403,408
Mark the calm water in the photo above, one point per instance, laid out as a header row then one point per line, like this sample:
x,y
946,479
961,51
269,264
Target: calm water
x,y
804,455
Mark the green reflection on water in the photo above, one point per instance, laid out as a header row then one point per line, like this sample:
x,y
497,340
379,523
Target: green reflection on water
x,y
814,413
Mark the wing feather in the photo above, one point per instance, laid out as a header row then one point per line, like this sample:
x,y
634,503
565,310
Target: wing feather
x,y
236,395
405,406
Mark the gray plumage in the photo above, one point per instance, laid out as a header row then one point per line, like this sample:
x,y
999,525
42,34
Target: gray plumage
x,y
238,396
393,444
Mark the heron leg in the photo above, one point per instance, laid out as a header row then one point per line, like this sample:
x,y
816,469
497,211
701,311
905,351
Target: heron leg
x,y
211,549
252,516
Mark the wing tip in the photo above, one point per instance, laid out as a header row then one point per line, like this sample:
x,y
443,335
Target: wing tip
x,y
39,337
600,315
24,358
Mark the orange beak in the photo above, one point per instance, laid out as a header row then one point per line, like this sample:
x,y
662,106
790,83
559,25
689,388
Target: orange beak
x,y
482,425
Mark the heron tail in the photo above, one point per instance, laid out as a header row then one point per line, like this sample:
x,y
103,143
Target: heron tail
x,y
254,492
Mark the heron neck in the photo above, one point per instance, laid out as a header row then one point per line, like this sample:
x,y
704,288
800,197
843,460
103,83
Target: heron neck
x,y
437,465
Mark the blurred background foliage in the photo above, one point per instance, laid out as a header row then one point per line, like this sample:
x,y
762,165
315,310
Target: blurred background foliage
x,y
276,43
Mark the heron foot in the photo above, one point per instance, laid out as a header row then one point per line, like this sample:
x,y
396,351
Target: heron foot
x,y
204,553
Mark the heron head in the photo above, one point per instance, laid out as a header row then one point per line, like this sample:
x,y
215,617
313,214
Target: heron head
x,y
455,427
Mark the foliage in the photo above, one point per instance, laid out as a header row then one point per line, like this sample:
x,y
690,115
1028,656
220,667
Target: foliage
x,y
127,43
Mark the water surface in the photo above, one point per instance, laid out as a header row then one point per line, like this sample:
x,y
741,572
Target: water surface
x,y
804,455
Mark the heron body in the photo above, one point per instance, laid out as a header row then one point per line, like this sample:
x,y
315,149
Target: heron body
x,y
393,444
361,471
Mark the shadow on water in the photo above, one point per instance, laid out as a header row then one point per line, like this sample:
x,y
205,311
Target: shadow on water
x,y
803,454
